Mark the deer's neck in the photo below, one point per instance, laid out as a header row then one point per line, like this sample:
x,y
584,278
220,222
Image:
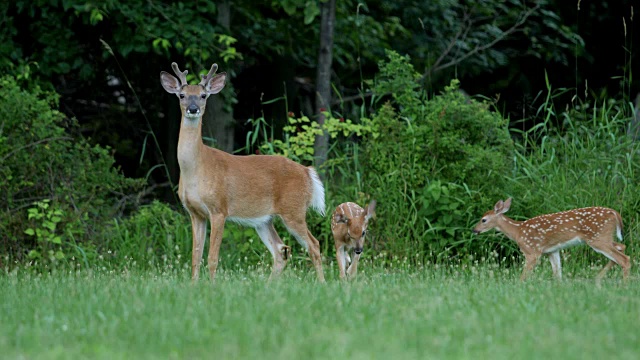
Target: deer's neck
x,y
190,145
510,227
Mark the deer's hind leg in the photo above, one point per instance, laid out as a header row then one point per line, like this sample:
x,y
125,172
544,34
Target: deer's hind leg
x,y
297,225
614,252
279,251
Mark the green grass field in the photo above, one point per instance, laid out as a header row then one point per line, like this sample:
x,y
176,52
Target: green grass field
x,y
445,313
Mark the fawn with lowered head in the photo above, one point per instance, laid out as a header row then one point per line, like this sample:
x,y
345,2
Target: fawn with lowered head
x,y
349,227
550,233
251,190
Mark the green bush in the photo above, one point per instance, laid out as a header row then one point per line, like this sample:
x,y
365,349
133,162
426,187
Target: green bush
x,y
439,161
58,190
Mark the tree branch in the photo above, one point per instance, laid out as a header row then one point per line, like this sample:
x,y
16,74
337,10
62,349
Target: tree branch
x,y
464,30
462,33
478,49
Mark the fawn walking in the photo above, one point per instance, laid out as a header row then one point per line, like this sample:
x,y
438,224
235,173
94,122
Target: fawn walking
x,y
251,190
349,227
550,233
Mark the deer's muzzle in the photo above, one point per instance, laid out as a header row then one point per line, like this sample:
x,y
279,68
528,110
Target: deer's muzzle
x,y
193,109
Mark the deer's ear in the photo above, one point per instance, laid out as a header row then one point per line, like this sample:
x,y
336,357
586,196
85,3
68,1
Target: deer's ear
x,y
507,205
371,210
169,82
216,83
341,219
497,208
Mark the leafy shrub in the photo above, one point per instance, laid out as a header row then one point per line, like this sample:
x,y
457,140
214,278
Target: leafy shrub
x,y
58,189
439,161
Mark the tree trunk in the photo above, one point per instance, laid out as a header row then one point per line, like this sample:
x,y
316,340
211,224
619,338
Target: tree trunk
x,y
218,123
323,80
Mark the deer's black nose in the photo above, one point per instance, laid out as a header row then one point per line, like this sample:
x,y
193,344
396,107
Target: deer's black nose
x,y
358,251
193,109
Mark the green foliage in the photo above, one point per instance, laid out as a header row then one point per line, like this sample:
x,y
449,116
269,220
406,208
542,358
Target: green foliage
x,y
58,188
300,135
157,28
473,37
291,7
443,213
440,160
45,220
155,234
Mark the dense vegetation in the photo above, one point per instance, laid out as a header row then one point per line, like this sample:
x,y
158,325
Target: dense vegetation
x,y
402,128
434,163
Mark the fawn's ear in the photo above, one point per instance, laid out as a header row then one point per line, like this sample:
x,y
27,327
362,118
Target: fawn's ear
x,y
341,219
507,206
170,83
370,211
497,208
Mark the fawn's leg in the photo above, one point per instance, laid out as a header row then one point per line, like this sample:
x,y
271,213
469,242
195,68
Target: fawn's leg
x,y
529,263
556,264
342,260
353,268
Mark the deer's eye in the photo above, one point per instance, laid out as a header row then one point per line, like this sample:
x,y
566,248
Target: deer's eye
x,y
181,96
484,220
364,232
204,96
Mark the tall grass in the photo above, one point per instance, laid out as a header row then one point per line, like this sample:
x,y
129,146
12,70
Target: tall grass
x,y
578,157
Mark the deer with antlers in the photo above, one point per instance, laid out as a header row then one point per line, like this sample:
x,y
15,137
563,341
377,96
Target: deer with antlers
x,y
550,233
349,224
251,190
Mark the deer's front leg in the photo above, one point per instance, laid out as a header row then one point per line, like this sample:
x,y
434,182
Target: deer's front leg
x,y
353,268
529,263
198,233
215,239
340,256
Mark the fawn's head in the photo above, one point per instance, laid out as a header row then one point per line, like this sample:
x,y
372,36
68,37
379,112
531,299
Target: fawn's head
x,y
357,224
490,218
193,98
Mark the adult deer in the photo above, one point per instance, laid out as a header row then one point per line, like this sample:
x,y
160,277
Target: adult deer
x,y
550,233
349,224
250,190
